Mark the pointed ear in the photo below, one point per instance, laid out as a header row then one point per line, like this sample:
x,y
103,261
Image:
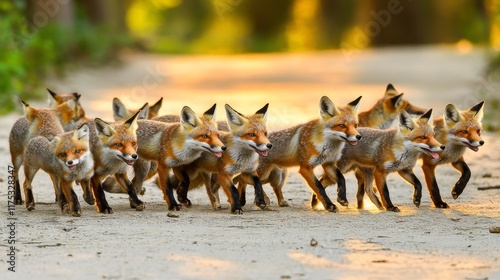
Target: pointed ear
x,y
327,108
427,116
390,90
103,128
478,111
210,113
234,118
188,118
131,123
354,104
155,109
76,96
144,112
263,112
452,115
119,110
405,120
29,111
54,95
397,101
55,140
82,133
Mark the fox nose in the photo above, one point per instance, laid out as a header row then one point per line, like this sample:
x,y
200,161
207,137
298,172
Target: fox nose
x,y
481,142
269,146
442,147
70,162
135,156
358,137
223,148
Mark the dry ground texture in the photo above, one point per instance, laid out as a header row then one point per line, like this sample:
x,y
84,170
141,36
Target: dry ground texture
x,y
201,243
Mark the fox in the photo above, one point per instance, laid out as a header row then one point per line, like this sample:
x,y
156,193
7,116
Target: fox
x,y
114,147
57,99
46,122
381,115
386,110
66,158
317,142
458,131
121,112
175,144
384,151
245,143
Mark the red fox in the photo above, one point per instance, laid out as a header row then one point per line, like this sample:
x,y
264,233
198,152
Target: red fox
x,y
457,130
386,110
66,158
79,114
38,122
318,142
114,148
120,111
244,144
384,151
172,145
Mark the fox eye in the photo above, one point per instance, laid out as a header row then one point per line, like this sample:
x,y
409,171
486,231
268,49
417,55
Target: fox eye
x,y
464,132
423,137
119,145
265,133
204,136
479,132
251,134
62,155
134,144
355,125
78,151
342,126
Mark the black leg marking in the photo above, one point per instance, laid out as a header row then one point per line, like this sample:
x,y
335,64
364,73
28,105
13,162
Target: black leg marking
x,y
459,187
135,202
389,206
30,200
169,195
235,207
417,189
17,193
329,206
341,188
183,188
259,193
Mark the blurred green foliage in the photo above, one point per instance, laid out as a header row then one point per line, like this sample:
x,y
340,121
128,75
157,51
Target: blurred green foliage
x,y
29,54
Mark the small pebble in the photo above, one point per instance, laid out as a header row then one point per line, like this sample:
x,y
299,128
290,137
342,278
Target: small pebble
x,y
494,229
314,242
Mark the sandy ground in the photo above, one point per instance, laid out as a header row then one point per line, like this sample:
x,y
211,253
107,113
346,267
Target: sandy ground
x,y
421,243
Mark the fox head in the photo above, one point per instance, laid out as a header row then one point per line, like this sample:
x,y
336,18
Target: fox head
x,y
202,131
251,130
340,123
464,127
79,113
418,134
120,111
120,138
72,148
394,102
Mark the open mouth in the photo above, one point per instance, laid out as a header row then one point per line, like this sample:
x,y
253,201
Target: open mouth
x,y
352,143
261,153
474,148
129,162
217,154
432,154
72,167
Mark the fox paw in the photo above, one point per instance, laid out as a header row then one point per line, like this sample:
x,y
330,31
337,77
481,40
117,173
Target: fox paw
x,y
142,191
30,206
393,209
416,202
89,199
342,201
332,208
176,207
455,194
105,210
237,211
140,207
77,213
441,204
283,203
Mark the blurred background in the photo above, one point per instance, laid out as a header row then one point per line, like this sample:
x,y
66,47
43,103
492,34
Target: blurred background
x,y
43,40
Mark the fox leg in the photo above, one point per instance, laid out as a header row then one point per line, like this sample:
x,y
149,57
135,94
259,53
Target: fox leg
x,y
70,196
380,181
277,179
28,188
127,185
360,194
212,190
183,188
167,188
432,186
87,192
143,171
459,187
259,192
410,177
17,161
308,174
325,181
231,193
100,198
366,179
333,172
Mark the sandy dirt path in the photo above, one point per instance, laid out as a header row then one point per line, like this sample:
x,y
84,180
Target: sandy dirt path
x,y
421,243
